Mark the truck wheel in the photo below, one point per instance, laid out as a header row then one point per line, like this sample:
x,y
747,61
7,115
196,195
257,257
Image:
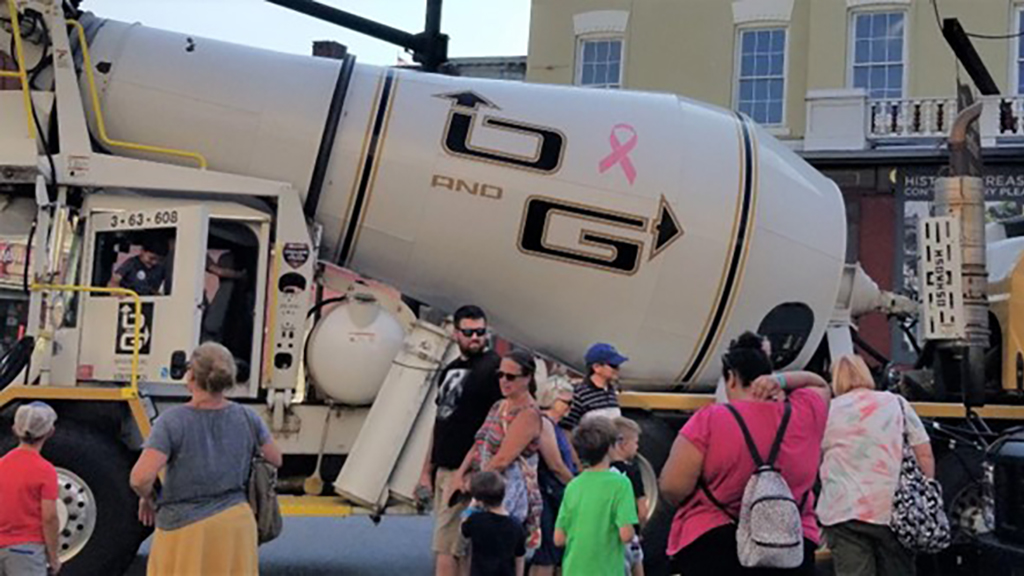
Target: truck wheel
x,y
100,532
655,444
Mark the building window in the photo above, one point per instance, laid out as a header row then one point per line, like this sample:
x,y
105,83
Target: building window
x,y
762,74
878,53
600,63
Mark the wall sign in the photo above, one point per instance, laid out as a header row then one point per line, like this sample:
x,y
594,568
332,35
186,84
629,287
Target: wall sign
x,y
1001,182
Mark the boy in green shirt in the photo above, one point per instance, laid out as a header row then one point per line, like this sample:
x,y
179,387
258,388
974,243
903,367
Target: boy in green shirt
x,y
598,510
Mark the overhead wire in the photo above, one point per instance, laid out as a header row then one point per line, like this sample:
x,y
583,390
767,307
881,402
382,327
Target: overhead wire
x,y
938,20
995,36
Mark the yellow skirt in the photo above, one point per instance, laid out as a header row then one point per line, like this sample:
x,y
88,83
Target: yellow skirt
x,y
222,545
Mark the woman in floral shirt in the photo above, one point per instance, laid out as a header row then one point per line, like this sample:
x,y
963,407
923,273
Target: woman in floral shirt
x,y
861,455
508,442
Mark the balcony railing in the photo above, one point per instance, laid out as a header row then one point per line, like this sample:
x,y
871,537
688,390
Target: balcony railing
x,y
1011,110
916,118
848,120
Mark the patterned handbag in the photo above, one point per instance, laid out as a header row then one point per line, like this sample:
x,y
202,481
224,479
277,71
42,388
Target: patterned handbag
x,y
918,517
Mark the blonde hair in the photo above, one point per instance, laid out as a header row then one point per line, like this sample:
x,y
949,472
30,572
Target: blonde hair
x,y
556,388
626,427
849,373
213,367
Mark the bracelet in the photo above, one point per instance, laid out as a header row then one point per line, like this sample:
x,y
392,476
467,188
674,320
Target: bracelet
x,y
782,380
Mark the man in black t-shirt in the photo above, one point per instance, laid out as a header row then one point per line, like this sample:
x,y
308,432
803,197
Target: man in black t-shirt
x,y
467,388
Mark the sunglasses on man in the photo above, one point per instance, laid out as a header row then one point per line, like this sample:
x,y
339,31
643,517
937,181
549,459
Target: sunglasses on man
x,y
470,332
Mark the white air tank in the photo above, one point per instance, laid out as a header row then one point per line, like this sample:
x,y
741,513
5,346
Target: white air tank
x,y
351,348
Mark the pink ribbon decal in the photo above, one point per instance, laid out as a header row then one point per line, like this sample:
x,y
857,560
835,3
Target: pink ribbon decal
x,y
620,152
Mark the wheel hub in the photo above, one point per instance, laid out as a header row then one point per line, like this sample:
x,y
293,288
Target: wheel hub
x,y
650,480
76,509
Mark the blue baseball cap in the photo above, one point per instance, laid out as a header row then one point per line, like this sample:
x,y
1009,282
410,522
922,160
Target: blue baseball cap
x,y
602,353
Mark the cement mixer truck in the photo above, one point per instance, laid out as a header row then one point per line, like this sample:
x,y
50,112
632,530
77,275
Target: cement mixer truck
x,y
320,217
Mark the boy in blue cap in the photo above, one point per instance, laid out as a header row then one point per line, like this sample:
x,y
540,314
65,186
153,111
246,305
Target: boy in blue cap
x,y
596,395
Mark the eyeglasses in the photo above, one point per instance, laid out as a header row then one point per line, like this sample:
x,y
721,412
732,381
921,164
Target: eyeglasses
x,y
613,366
508,375
470,332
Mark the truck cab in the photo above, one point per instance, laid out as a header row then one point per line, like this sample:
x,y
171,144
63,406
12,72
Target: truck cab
x,y
199,284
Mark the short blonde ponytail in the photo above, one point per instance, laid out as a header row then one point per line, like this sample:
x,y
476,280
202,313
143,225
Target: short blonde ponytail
x,y
849,373
213,367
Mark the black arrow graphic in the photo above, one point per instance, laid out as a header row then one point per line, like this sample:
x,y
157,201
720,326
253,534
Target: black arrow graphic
x,y
666,229
468,99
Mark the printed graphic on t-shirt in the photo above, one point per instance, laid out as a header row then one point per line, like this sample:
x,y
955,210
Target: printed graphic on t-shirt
x,y
450,392
136,276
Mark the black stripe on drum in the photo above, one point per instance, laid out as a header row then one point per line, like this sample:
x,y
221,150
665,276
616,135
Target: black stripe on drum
x,y
366,172
326,149
735,259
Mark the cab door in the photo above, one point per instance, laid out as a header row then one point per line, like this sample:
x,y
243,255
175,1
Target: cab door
x,y
161,254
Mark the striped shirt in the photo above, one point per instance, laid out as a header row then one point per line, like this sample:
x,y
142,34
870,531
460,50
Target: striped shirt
x,y
589,400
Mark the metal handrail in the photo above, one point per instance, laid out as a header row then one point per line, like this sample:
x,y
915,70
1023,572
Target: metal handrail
x,y
21,74
101,125
108,290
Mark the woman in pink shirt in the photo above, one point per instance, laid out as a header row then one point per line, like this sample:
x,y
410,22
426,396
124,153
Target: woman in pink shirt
x,y
710,447
863,449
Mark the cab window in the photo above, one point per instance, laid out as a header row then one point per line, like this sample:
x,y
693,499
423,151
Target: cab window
x,y
141,260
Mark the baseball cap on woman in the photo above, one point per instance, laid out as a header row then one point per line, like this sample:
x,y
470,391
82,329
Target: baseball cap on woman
x,y
33,421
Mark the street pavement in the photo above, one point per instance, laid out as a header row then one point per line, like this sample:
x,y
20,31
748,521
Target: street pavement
x,y
352,546
346,547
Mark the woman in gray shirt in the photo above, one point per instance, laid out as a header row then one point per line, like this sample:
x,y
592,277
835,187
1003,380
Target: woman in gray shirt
x,y
204,524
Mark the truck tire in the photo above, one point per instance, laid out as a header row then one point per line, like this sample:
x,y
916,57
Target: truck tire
x,y
100,532
655,444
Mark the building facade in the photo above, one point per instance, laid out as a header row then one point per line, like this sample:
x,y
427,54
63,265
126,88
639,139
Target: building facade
x,y
863,89
492,67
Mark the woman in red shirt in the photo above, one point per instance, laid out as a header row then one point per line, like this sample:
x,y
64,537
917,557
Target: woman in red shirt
x,y
711,447
29,527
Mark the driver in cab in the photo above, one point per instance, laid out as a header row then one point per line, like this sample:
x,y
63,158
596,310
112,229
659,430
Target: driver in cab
x,y
143,273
